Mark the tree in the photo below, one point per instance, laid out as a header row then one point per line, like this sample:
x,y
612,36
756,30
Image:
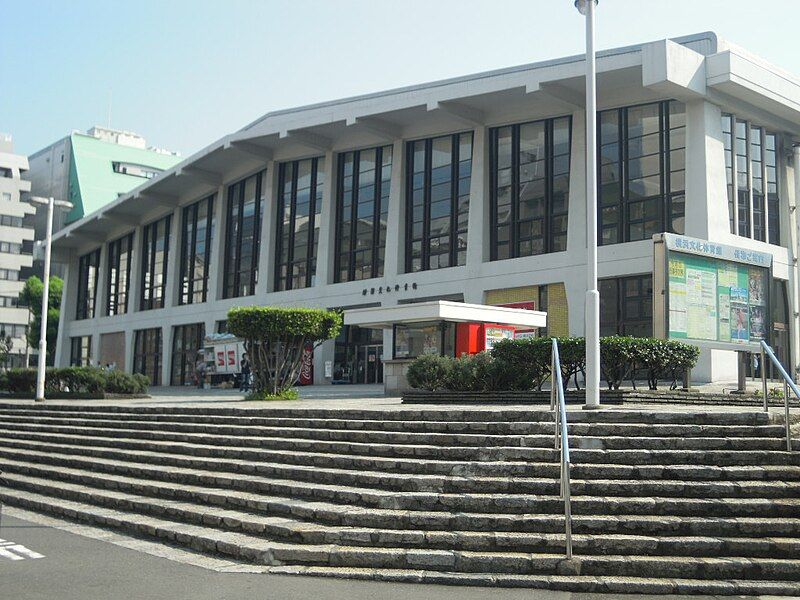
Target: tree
x,y
31,296
275,338
6,344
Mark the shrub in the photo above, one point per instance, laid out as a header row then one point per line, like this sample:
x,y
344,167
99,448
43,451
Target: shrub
x,y
78,381
275,339
526,362
430,372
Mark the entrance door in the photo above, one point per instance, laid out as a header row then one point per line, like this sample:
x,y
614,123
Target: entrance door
x,y
370,365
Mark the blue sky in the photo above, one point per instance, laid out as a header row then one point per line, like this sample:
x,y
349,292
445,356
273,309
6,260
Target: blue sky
x,y
184,73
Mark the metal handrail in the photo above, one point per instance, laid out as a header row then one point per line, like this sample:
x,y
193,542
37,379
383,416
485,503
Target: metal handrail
x,y
558,405
788,382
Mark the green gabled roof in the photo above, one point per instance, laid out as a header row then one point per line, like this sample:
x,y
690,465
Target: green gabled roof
x,y
93,182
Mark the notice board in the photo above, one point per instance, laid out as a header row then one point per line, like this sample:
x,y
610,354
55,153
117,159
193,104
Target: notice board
x,y
710,294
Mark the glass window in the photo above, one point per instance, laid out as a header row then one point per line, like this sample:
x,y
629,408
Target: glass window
x,y
197,230
155,251
88,265
362,208
626,306
642,171
243,235
752,151
437,202
530,188
147,354
416,339
80,351
299,203
187,341
118,275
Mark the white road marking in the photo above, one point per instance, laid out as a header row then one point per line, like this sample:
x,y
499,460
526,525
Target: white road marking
x,y
10,555
13,551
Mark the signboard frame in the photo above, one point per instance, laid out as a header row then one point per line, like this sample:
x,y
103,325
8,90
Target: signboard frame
x,y
666,245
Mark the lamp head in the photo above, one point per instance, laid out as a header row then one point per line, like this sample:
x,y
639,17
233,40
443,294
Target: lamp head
x,y
583,5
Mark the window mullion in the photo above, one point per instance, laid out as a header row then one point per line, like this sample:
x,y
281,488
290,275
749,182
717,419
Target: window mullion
x,y
426,207
513,233
351,258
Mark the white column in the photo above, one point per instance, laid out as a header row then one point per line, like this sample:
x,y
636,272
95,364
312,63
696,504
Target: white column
x,y
166,353
266,248
478,239
217,256
327,222
135,284
171,286
101,296
69,294
394,257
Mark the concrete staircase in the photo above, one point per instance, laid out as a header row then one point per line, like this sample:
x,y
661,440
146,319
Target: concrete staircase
x,y
663,502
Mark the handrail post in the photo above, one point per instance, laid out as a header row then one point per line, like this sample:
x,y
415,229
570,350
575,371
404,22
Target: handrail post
x,y
786,415
764,379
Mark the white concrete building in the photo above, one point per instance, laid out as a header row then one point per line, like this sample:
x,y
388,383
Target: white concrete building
x,y
16,248
467,189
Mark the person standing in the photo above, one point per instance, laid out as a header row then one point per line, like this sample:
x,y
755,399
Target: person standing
x,y
200,371
244,365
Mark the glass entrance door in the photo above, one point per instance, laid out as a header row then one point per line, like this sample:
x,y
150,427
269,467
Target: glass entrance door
x,y
370,365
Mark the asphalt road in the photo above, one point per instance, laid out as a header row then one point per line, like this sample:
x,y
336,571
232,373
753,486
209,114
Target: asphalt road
x,y
74,567
40,562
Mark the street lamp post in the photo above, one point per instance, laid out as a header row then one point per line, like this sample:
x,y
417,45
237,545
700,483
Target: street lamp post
x,y
51,204
592,315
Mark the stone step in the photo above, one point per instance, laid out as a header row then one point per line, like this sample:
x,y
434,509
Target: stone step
x,y
353,517
536,483
191,473
537,413
517,452
162,500
612,586
448,427
543,440
264,551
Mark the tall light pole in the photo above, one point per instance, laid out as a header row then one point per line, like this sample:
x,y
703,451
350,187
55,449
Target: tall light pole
x,y
592,316
51,204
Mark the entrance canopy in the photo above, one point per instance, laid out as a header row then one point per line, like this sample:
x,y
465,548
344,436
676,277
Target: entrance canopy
x,y
384,317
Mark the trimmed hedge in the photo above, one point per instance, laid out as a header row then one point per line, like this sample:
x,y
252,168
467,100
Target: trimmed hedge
x,y
275,340
525,364
80,381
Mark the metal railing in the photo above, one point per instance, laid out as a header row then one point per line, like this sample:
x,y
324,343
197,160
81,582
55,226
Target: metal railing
x,y
559,407
788,382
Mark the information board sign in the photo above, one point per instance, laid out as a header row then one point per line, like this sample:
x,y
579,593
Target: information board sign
x,y
710,294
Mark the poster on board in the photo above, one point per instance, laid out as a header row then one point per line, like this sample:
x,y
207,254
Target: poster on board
x,y
710,294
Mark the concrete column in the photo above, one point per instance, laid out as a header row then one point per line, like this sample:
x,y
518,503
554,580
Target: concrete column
x,y
166,353
794,275
394,258
706,188
266,248
171,286
101,293
217,257
130,341
327,224
69,296
575,279
135,284
478,238
322,353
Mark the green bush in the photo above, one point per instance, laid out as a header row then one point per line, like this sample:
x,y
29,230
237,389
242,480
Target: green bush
x,y
430,372
263,396
525,364
275,339
77,381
